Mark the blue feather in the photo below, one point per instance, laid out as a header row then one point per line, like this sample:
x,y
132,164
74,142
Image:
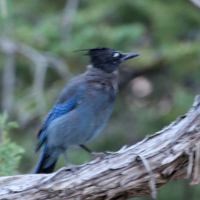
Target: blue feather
x,y
57,111
42,155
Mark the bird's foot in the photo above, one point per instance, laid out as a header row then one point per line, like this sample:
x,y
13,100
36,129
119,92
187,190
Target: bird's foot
x,y
97,155
71,167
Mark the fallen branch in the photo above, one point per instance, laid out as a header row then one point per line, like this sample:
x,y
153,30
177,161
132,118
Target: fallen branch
x,y
172,153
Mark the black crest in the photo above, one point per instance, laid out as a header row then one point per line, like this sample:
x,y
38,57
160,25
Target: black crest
x,y
107,59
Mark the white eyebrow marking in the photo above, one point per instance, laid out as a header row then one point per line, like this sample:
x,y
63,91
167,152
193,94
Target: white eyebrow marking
x,y
116,54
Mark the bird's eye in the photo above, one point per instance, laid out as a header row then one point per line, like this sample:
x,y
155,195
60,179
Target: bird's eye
x,y
115,55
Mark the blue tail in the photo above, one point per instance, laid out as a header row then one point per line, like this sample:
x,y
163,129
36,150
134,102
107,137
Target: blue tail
x,y
40,167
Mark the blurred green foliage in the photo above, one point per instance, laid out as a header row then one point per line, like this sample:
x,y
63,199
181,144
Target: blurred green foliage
x,y
166,33
10,152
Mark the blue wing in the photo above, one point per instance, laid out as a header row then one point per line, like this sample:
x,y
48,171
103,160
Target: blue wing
x,y
57,111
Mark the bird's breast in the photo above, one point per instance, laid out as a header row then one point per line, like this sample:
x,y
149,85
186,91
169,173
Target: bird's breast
x,y
88,118
104,91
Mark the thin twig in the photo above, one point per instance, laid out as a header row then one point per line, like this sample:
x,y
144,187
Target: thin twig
x,y
196,175
152,182
190,164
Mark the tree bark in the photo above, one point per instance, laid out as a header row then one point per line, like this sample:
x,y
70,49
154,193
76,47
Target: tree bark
x,y
172,153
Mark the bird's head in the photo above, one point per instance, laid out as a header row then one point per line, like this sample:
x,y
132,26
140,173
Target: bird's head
x,y
107,59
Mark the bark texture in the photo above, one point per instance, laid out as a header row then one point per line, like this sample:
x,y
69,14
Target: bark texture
x,y
172,153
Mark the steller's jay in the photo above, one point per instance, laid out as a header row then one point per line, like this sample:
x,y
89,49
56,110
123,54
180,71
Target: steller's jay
x,y
82,109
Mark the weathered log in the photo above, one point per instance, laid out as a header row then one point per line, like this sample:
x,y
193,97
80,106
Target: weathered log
x,y
172,153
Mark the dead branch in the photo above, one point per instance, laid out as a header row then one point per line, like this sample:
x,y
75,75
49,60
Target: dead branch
x,y
38,86
3,8
172,153
8,81
41,61
196,3
68,18
10,46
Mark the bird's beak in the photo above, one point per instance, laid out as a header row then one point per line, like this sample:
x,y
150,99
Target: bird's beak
x,y
127,56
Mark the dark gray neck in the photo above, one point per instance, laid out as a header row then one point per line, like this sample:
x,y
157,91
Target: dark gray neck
x,y
98,75
95,71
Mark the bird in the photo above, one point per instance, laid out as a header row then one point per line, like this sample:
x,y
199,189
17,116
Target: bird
x,y
83,108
